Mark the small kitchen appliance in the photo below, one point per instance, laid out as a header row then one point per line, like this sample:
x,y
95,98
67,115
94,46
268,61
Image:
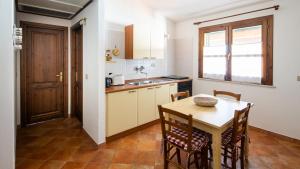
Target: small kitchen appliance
x,y
108,81
118,80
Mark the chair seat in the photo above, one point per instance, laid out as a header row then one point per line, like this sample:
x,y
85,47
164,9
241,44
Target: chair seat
x,y
227,137
199,139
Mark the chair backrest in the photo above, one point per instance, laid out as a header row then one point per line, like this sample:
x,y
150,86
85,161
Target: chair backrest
x,y
176,120
225,93
240,122
180,95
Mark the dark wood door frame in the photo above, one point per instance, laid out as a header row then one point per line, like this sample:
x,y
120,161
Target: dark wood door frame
x,y
74,30
23,87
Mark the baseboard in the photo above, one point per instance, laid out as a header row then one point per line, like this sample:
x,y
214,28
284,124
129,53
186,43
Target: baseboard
x,y
280,136
130,131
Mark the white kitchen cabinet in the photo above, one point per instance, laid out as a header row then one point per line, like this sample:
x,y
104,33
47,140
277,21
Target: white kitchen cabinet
x,y
173,89
129,109
158,31
146,105
145,40
137,41
122,111
162,96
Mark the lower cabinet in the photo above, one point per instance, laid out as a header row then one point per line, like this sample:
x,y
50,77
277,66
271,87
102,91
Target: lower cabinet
x,y
173,89
162,96
146,105
122,111
128,109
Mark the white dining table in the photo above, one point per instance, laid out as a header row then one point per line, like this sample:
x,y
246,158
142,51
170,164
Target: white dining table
x,y
214,120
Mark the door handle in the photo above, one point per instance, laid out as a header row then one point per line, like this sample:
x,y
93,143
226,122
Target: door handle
x,y
60,75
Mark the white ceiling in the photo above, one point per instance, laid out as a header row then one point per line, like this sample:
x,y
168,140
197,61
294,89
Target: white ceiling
x,y
64,6
183,9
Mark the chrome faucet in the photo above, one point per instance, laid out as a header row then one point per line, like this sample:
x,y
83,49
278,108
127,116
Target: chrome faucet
x,y
141,70
145,73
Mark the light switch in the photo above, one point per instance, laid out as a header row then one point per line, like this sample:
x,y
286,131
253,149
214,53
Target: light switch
x,y
298,78
86,76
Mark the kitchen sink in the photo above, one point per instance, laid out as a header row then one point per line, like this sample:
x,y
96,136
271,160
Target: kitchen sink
x,y
157,81
141,82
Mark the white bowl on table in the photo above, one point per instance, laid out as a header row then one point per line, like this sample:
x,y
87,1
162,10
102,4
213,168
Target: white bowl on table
x,y
205,101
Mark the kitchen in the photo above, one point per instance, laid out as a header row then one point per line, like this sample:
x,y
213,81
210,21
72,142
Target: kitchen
x,y
149,84
138,58
137,72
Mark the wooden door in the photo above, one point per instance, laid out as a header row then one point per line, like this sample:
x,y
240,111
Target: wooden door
x,y
43,73
77,76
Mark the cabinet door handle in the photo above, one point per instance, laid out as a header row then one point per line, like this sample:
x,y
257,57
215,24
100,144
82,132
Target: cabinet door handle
x,y
158,87
150,88
131,91
172,84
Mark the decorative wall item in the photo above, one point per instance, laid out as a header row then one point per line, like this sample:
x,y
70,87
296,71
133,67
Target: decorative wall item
x,y
17,37
108,55
116,51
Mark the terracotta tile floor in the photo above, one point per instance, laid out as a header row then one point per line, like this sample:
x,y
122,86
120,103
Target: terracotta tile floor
x,y
62,144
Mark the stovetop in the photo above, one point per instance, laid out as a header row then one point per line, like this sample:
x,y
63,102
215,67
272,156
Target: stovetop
x,y
175,77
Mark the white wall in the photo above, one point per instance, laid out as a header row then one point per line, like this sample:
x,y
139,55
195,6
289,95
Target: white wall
x,y
276,109
44,20
7,90
126,12
170,48
93,70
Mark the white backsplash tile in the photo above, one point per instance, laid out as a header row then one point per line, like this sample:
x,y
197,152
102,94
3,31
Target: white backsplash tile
x,y
116,67
154,68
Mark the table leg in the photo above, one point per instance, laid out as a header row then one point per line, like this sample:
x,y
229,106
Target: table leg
x,y
216,145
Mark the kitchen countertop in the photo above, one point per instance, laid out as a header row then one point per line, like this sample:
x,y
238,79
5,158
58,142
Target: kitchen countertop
x,y
127,86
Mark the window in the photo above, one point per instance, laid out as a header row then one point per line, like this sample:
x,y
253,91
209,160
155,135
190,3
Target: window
x,y
239,51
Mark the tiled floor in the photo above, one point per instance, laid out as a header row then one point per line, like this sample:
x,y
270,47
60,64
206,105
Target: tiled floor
x,y
63,144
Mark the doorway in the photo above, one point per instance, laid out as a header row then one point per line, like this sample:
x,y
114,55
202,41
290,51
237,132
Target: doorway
x,y
76,72
44,73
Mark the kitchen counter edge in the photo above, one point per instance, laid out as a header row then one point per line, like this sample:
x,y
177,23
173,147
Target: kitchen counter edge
x,y
126,87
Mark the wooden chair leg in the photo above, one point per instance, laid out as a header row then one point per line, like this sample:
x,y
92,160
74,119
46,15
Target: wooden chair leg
x,y
189,161
234,158
196,160
166,155
178,155
225,156
210,151
242,159
204,158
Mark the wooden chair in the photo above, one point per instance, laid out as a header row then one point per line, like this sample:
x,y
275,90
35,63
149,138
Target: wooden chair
x,y
181,136
180,95
234,135
225,93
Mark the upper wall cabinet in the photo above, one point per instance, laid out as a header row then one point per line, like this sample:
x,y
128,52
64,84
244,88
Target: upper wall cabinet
x,y
145,41
137,41
158,30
